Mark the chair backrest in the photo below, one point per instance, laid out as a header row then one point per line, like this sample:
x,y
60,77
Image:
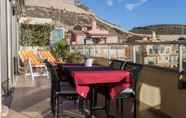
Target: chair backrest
x,y
45,54
26,55
117,64
55,81
134,68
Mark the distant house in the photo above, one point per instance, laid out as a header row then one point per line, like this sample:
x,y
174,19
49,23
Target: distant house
x,y
84,34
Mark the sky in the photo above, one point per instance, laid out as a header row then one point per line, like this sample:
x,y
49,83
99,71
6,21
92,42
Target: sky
x,y
133,13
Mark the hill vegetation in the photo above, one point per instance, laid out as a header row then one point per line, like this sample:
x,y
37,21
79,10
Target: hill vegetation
x,y
165,29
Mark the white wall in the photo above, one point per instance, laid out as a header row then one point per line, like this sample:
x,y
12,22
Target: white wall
x,y
3,42
8,44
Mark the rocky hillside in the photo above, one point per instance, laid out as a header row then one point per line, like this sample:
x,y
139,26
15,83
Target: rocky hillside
x,y
68,19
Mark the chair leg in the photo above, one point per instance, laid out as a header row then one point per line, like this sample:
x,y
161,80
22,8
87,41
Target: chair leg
x,y
52,104
81,103
135,108
31,70
59,109
117,104
52,101
121,107
95,98
55,108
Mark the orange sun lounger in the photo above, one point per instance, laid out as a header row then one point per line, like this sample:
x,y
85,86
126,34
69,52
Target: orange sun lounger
x,y
34,61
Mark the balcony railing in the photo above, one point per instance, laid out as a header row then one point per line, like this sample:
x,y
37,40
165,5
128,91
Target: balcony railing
x,y
169,54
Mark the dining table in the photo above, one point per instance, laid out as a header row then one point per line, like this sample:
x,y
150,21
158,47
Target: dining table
x,y
111,82
88,79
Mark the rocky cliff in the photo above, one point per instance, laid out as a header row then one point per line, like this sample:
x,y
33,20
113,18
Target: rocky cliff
x,y
69,19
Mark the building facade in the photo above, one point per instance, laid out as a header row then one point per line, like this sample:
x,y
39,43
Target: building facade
x,y
92,35
49,3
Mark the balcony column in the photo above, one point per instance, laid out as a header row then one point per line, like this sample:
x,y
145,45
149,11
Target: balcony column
x,y
180,58
3,46
10,44
134,54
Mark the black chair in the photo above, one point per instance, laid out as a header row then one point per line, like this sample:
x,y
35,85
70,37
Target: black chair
x,y
117,64
60,90
135,70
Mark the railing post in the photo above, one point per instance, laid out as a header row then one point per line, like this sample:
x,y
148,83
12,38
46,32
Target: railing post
x,y
83,50
70,48
180,57
134,54
117,53
94,51
109,55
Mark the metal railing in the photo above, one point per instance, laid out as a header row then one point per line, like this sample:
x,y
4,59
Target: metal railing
x,y
173,51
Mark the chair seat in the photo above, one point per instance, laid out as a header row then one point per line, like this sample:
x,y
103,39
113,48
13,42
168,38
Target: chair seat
x,y
127,93
67,89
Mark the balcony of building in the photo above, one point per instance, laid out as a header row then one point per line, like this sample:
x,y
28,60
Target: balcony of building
x,y
160,93
161,90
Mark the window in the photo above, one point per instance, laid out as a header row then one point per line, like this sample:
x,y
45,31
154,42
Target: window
x,y
162,50
167,50
150,51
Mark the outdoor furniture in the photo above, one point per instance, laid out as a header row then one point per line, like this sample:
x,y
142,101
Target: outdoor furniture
x,y
66,72
135,70
110,81
60,90
45,54
32,62
117,64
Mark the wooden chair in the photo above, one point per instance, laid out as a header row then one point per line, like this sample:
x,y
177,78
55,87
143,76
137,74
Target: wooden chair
x,y
135,70
60,90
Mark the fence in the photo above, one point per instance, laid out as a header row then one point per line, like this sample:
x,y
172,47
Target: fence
x,y
171,54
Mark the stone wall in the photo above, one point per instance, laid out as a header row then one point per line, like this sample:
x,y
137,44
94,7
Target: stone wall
x,y
49,3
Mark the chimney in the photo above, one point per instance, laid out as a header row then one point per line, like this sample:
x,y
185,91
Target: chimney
x,y
154,36
94,25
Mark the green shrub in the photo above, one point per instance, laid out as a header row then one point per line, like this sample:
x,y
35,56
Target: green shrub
x,y
83,7
61,49
35,35
75,58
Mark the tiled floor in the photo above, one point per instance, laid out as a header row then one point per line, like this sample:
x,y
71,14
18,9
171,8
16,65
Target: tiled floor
x,y
31,100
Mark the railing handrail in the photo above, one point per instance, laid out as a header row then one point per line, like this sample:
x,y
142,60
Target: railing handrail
x,y
137,43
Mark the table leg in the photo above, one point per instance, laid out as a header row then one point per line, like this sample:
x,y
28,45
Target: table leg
x,y
107,104
81,104
91,104
95,97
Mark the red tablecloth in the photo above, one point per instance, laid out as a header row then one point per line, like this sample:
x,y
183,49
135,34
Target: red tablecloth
x,y
119,79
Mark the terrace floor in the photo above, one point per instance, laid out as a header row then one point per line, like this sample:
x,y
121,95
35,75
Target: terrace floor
x,y
31,100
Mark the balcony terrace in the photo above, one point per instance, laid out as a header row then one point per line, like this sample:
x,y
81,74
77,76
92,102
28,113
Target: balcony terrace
x,y
31,98
160,92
